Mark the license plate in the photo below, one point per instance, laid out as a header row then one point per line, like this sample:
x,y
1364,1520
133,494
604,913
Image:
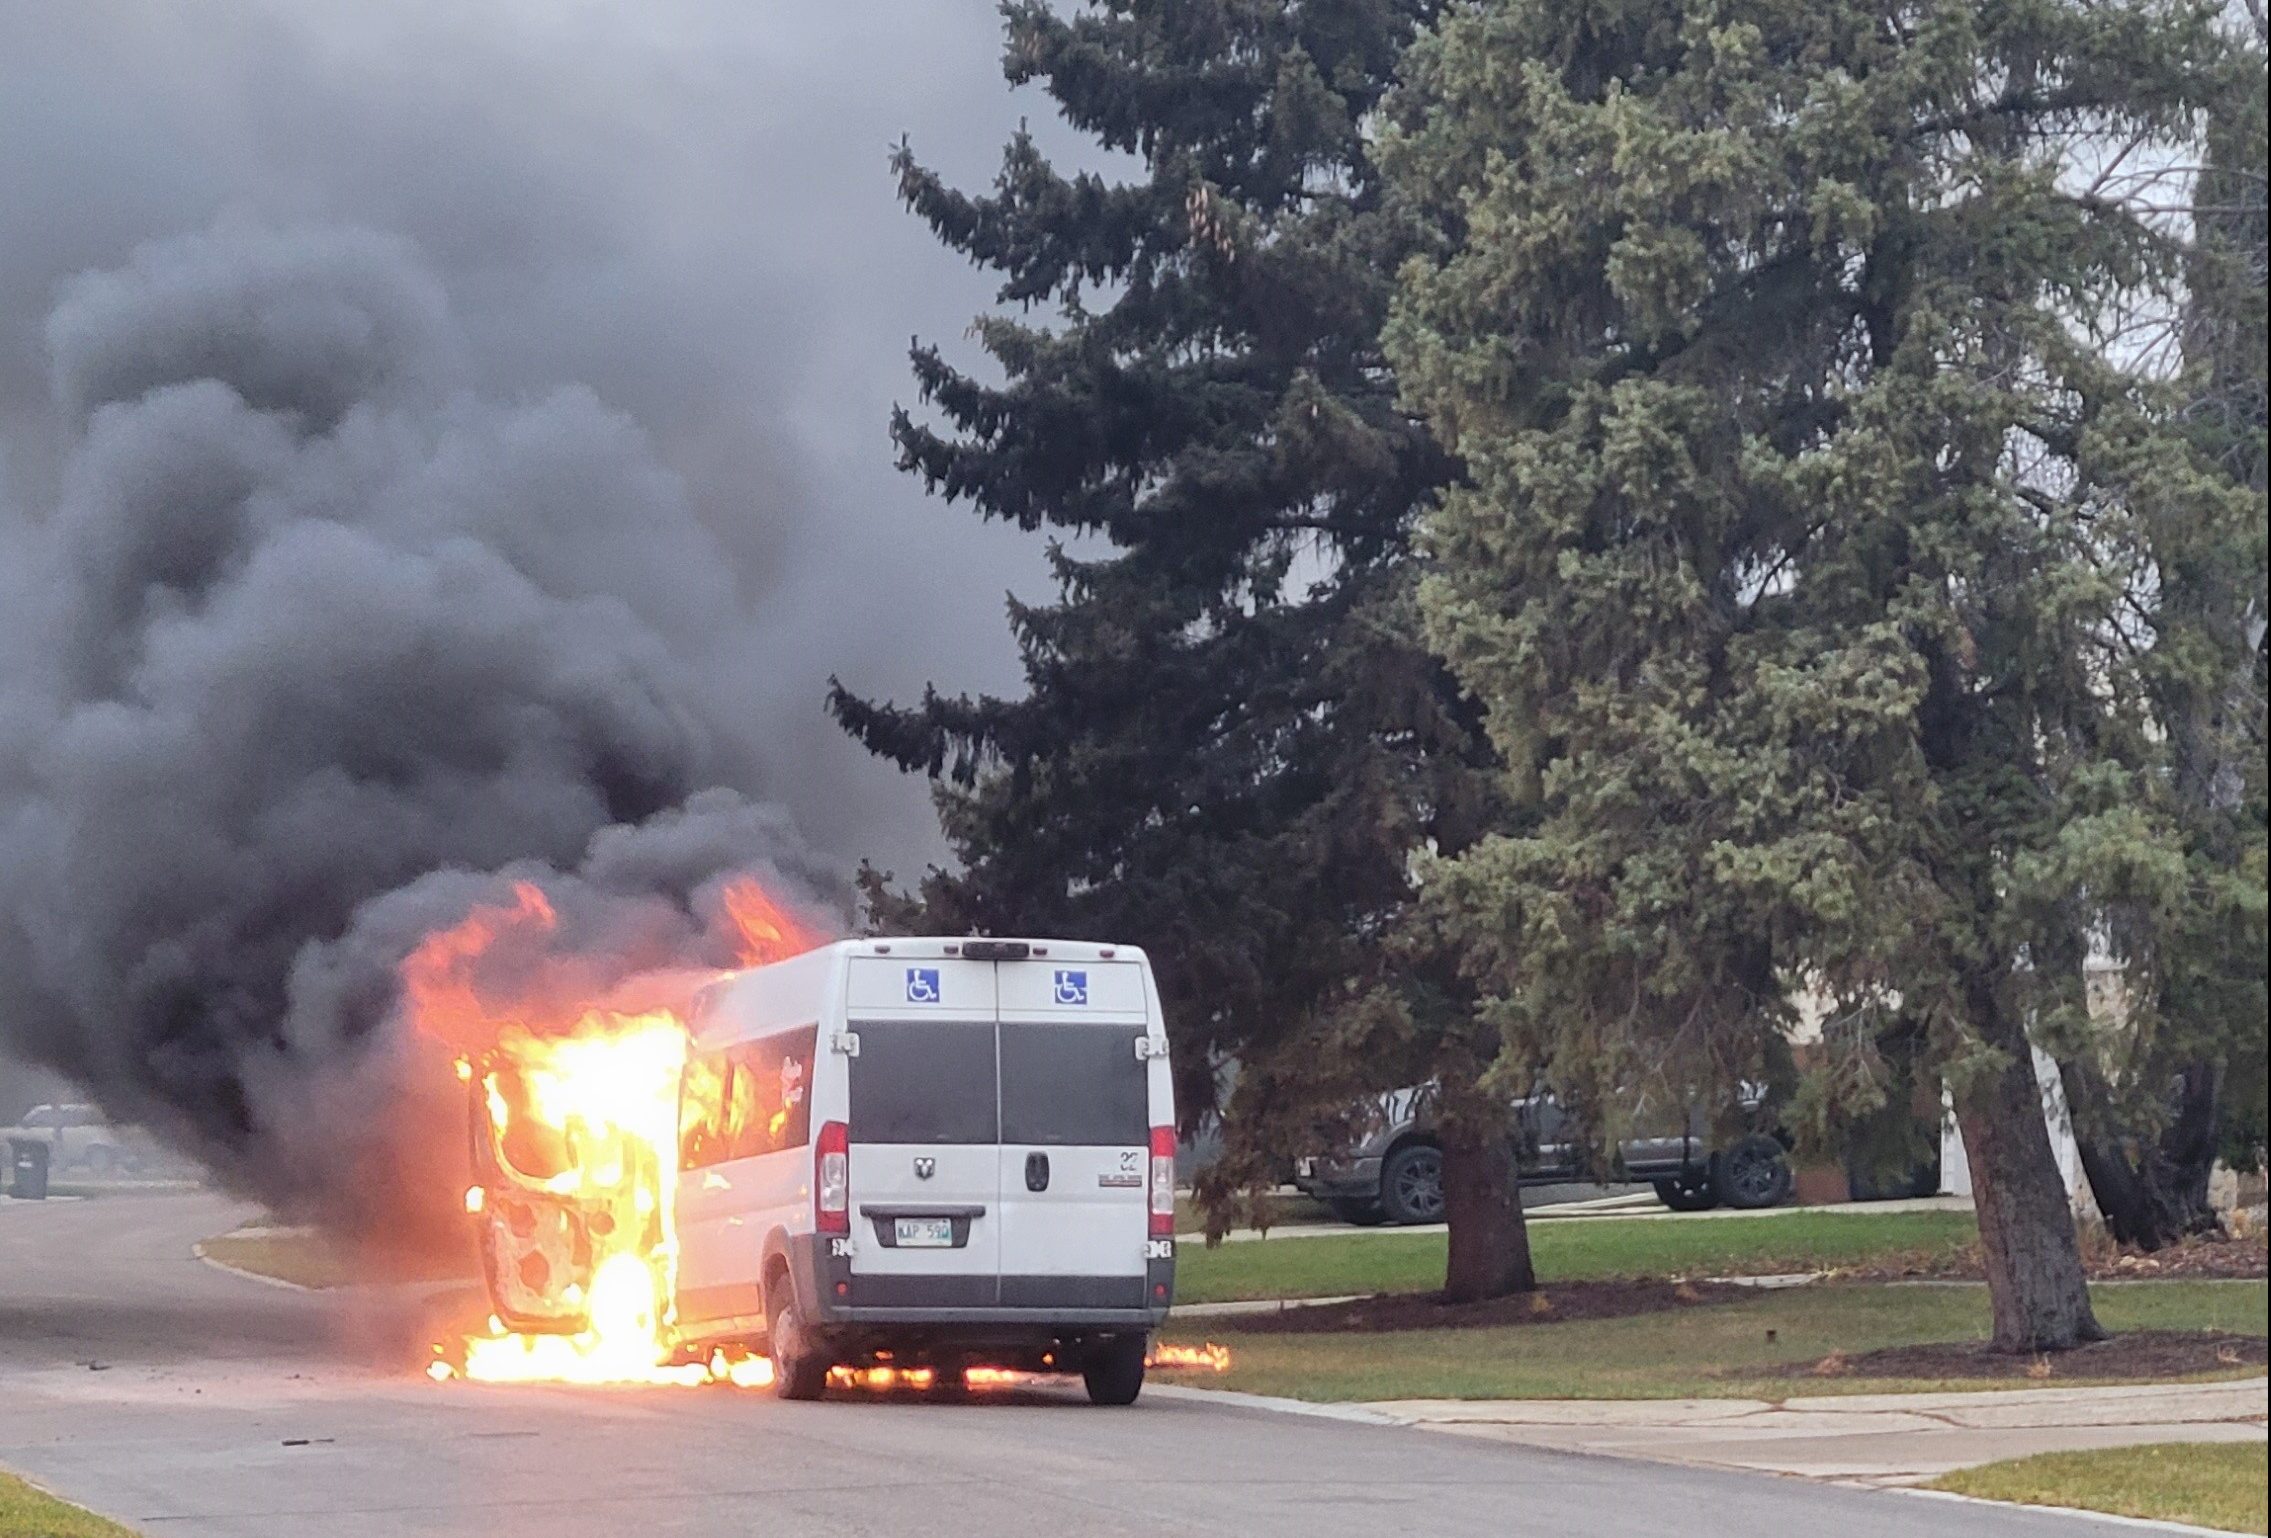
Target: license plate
x,y
923,1233
1304,1169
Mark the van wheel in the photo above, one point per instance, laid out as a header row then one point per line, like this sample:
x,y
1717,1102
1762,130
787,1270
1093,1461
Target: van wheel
x,y
1114,1370
1687,1192
1754,1173
799,1371
1411,1184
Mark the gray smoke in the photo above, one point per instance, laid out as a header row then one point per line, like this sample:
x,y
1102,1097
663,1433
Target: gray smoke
x,y
683,204
315,649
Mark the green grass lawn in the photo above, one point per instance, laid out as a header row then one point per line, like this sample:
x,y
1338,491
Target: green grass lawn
x,y
1570,1250
1284,1209
29,1513
1719,1350
2216,1484
318,1260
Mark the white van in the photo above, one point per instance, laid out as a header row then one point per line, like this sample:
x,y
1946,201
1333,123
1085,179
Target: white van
x,y
935,1153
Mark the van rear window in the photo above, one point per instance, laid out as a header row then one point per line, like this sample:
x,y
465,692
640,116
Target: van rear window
x,y
1072,1082
924,1082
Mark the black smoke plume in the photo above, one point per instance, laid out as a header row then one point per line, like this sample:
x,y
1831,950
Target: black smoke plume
x,y
313,650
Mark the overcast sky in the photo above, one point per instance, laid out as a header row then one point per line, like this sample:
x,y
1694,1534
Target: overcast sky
x,y
682,203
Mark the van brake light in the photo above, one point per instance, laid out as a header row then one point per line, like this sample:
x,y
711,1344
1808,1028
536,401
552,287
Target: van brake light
x,y
832,1179
1162,1225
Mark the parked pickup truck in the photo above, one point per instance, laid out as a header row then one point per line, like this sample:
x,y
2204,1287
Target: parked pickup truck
x,y
1392,1171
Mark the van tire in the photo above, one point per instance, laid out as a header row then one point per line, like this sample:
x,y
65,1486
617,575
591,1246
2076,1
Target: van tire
x,y
1411,1184
799,1372
1113,1371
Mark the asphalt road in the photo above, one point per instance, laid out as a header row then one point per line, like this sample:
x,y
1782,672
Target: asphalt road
x,y
140,1382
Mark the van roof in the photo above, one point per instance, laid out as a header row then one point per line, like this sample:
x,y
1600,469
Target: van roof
x,y
777,994
933,947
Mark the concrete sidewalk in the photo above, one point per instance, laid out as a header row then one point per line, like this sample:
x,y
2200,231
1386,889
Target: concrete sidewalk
x,y
1877,1439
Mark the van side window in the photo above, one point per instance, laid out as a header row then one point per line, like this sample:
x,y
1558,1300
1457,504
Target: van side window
x,y
702,1110
769,1105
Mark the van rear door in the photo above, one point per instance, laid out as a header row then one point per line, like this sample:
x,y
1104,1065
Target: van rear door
x,y
1075,1134
925,1134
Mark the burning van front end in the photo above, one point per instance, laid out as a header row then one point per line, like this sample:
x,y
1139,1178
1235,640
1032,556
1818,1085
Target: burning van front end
x,y
545,1223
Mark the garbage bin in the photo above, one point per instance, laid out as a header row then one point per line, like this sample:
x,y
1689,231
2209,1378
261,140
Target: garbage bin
x,y
27,1160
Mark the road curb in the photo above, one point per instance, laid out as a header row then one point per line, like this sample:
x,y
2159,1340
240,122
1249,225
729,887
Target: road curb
x,y
1352,1414
1247,1308
198,1250
2114,1518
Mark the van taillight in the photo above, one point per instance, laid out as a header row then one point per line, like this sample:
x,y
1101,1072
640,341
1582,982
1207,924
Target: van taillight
x,y
832,1179
1162,1182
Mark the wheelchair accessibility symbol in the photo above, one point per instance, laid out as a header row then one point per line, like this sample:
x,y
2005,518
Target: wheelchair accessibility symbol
x,y
922,985
1072,987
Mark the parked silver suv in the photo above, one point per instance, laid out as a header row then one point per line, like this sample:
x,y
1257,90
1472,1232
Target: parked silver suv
x,y
1393,1171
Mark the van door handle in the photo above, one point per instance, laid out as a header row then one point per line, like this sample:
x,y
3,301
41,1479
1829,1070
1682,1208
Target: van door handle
x,y
1036,1172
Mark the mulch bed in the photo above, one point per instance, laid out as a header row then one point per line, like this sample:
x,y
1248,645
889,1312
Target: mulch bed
x,y
2144,1354
1389,1313
2201,1259
2208,1258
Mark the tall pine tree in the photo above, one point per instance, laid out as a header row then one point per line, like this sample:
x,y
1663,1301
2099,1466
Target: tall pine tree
x,y
2150,1102
1232,738
1811,510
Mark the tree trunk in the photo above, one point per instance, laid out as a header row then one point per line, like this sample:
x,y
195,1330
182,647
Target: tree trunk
x,y
2035,1282
1482,1204
2158,1194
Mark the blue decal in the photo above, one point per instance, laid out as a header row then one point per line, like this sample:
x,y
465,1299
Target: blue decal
x,y
922,985
1072,987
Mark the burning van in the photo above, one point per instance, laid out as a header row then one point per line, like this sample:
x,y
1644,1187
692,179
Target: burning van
x,y
924,1157
938,1154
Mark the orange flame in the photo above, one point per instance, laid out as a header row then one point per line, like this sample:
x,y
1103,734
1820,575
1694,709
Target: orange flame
x,y
1210,1357
438,978
578,1105
766,931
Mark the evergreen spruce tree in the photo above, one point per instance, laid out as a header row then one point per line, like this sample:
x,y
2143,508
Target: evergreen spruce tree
x,y
1805,561
1232,737
2154,1105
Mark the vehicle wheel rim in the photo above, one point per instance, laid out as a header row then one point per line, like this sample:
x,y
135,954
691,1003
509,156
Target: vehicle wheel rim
x,y
1419,1185
1754,1175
